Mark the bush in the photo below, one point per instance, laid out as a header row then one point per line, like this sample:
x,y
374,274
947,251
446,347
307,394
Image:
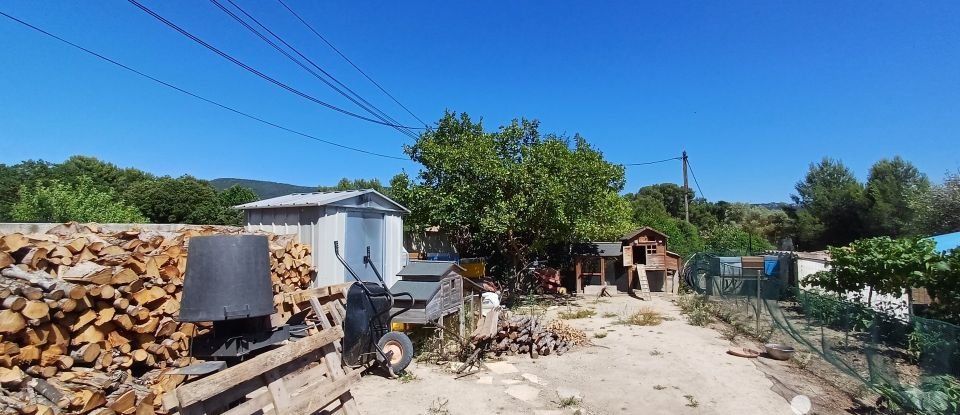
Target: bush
x,y
55,201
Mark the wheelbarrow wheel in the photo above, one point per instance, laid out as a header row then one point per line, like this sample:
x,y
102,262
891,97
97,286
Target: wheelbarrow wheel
x,y
401,348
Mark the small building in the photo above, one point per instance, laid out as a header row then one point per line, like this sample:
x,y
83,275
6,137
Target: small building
x,y
436,287
617,263
357,219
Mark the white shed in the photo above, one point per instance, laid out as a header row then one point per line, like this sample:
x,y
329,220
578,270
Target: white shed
x,y
355,218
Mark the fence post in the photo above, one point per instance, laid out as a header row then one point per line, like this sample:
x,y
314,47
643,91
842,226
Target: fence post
x,y
758,303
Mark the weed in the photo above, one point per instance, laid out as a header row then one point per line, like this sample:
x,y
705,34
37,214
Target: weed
x,y
567,401
659,387
802,359
730,334
691,402
407,377
578,313
600,334
609,315
655,352
439,407
698,310
644,317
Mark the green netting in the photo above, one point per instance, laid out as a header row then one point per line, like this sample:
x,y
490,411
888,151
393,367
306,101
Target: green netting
x,y
911,363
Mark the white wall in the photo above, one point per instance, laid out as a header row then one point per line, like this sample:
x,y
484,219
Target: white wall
x,y
897,305
395,256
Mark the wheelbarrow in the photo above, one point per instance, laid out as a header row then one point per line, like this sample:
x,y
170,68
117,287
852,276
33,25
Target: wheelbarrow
x,y
367,334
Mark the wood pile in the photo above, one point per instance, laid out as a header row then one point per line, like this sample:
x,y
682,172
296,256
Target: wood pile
x,y
88,318
528,335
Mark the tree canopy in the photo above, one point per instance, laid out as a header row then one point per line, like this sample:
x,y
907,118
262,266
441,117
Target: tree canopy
x,y
511,193
54,201
831,206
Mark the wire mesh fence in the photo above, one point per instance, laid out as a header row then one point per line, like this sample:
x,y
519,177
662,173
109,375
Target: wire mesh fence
x,y
911,364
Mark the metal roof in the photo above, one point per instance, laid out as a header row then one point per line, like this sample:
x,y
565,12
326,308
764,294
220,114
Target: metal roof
x,y
429,268
314,199
420,290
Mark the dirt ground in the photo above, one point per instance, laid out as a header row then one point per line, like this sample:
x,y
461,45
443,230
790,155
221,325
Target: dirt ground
x,y
671,368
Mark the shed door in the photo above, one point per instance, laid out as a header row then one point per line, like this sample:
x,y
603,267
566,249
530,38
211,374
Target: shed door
x,y
364,229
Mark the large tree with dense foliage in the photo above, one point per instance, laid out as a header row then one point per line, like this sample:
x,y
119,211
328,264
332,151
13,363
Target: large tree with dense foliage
x,y
892,188
512,193
54,201
831,204
939,208
182,200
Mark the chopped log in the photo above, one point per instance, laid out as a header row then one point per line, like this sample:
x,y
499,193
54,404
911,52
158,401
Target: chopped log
x,y
5,259
124,321
86,354
89,334
38,278
83,319
87,272
121,303
90,400
14,303
42,371
148,295
31,293
67,305
11,322
11,377
35,310
105,315
28,355
12,242
34,257
124,402
50,392
123,276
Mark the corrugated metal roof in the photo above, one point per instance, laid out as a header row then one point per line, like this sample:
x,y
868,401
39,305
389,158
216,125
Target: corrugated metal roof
x,y
429,268
313,199
420,290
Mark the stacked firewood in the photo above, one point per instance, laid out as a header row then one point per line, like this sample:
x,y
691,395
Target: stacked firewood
x,y
528,335
88,318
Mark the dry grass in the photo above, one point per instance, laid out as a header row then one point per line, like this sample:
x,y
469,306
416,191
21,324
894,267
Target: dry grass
x,y
644,317
578,313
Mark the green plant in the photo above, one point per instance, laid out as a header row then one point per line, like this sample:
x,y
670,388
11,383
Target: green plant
x,y
577,314
691,402
802,359
659,387
655,352
600,334
938,395
609,315
567,401
643,317
407,376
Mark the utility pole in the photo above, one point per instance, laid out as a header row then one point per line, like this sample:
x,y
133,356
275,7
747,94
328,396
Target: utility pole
x,y
686,188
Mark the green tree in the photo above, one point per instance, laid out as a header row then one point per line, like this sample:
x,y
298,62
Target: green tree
x,y
649,211
512,193
357,184
670,195
54,201
939,208
182,200
832,204
728,239
103,175
892,187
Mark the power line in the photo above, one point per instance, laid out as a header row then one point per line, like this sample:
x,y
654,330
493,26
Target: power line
x,y
695,179
376,112
653,162
181,90
382,89
256,72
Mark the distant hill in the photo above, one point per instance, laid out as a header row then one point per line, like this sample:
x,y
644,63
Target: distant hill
x,y
264,189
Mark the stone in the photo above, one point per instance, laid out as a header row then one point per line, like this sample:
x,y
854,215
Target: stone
x,y
531,378
523,392
485,380
502,368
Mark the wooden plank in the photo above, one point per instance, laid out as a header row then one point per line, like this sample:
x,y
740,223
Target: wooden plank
x,y
278,391
314,399
218,382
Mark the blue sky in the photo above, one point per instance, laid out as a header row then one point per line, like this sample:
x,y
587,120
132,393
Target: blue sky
x,y
754,91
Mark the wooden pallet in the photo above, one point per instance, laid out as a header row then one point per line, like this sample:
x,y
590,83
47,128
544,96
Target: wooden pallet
x,y
304,377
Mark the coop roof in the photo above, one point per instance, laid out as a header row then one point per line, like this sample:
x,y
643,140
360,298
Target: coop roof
x,y
633,234
320,199
420,290
429,268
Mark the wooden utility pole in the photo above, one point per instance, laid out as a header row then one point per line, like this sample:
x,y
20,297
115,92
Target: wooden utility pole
x,y
686,188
